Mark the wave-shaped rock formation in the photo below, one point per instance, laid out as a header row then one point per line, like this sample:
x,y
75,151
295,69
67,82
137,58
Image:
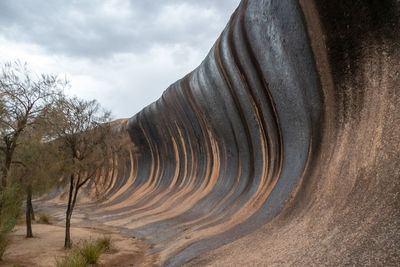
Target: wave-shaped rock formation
x,y
282,147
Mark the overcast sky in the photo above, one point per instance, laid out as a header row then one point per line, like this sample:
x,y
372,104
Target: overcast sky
x,y
123,53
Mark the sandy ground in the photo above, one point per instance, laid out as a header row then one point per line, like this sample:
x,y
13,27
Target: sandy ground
x,y
48,241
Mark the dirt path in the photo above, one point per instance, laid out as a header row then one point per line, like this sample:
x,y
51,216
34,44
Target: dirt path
x,y
47,245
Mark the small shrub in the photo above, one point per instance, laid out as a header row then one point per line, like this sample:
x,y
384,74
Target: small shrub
x,y
44,219
91,252
10,208
3,243
10,203
73,259
86,253
104,243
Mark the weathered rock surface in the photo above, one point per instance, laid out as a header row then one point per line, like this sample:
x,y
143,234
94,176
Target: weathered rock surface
x,y
282,147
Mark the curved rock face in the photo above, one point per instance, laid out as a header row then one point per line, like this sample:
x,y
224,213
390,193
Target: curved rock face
x,y
294,112
223,148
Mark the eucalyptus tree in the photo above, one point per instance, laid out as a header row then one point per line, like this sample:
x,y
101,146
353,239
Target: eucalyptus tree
x,y
25,99
39,169
82,129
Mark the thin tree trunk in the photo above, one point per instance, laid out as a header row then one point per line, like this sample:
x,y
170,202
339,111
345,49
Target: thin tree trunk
x,y
32,211
77,186
11,143
29,202
29,211
3,177
73,193
5,170
67,243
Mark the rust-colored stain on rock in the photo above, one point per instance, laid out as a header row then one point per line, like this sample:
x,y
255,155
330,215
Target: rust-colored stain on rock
x,y
281,148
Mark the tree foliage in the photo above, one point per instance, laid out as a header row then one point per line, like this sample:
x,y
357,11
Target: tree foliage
x,y
46,137
25,99
82,129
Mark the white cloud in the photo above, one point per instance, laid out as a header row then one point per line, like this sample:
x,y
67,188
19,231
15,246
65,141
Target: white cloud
x,y
123,53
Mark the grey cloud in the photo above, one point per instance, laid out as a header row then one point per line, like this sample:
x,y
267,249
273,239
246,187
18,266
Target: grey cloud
x,y
81,29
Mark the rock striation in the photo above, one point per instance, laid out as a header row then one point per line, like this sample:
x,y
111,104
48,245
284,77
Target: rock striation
x,y
286,136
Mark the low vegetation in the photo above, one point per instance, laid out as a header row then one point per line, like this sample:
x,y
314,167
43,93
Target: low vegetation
x,y
73,259
105,243
10,203
44,219
88,252
3,243
91,252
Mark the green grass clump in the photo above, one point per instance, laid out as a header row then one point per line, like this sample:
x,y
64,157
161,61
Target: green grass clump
x,y
91,252
88,252
73,259
44,219
104,243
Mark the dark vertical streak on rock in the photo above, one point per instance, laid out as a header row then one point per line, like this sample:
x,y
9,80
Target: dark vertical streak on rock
x,y
248,134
